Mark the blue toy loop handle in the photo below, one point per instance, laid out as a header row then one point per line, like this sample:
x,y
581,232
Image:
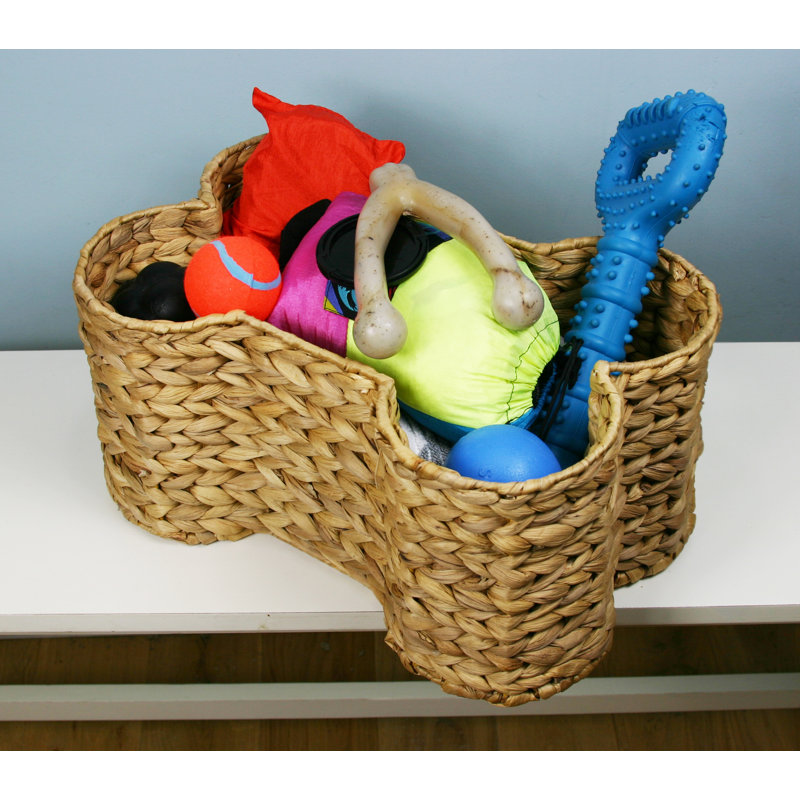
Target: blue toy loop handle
x,y
637,213
692,125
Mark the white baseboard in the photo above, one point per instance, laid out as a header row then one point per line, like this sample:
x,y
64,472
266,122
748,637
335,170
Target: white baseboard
x,y
388,699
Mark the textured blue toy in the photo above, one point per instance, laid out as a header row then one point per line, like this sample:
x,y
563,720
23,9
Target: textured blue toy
x,y
637,213
502,453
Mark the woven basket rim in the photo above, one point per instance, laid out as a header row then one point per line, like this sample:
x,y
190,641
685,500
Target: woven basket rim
x,y
431,471
206,199
696,341
386,387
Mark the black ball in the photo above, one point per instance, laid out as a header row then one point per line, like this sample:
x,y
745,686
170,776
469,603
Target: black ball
x,y
155,293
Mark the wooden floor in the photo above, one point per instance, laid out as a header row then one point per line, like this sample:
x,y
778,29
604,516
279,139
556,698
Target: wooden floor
x,y
364,656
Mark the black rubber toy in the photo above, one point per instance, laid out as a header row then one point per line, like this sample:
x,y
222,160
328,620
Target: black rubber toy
x,y
155,293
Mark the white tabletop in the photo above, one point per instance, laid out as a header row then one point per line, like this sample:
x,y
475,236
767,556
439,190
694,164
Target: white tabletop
x,y
71,563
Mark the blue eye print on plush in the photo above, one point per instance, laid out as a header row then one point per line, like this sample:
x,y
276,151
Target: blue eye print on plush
x,y
637,213
241,274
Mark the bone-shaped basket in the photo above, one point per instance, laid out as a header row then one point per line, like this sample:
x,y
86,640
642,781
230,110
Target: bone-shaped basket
x,y
224,427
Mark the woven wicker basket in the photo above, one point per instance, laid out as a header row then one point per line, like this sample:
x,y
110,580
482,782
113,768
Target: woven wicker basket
x,y
225,426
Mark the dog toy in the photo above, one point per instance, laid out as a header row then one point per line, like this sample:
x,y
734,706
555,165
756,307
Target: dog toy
x,y
380,331
155,293
459,368
233,272
502,453
637,213
309,152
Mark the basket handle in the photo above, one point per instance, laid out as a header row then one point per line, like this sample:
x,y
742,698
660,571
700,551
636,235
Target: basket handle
x,y
379,330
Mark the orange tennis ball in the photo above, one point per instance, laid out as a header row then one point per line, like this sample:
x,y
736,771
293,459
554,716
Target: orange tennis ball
x,y
233,272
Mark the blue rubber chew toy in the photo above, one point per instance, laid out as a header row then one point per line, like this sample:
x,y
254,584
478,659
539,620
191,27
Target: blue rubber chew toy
x,y
502,453
637,213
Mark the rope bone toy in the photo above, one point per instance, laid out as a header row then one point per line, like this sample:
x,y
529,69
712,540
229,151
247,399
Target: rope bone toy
x,y
380,330
637,213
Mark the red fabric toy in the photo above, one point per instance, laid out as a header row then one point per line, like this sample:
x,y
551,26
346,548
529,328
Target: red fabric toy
x,y
310,153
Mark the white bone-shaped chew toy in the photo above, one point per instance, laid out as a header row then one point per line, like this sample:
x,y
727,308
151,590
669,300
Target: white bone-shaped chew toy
x,y
379,330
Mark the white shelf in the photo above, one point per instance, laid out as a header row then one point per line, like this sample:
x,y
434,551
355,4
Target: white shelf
x,y
71,563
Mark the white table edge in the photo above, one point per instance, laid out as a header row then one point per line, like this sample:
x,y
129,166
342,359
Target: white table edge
x,y
53,625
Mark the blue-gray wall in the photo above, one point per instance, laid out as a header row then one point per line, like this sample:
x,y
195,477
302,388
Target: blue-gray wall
x,y
89,135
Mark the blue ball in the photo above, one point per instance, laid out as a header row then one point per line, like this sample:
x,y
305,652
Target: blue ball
x,y
502,453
